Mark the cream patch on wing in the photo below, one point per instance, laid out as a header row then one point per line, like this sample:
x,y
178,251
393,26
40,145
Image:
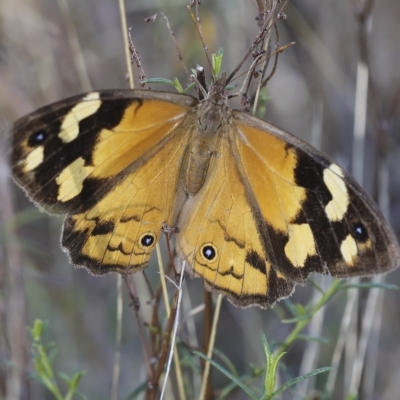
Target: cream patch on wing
x,y
337,207
349,250
301,244
70,180
86,107
34,158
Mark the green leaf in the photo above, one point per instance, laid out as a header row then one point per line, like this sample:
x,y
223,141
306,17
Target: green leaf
x,y
248,390
192,85
227,362
224,392
139,390
263,98
43,356
216,62
271,366
77,378
296,380
175,83
319,288
297,319
158,80
178,85
313,338
369,285
36,330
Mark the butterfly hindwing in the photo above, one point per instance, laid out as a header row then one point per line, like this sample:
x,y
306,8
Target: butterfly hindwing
x,y
121,230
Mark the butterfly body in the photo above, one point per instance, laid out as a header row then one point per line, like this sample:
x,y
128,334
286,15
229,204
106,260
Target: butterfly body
x,y
212,115
256,208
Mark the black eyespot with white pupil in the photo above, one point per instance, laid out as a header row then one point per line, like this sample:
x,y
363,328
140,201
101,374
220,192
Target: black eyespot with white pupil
x,y
209,252
147,240
37,138
360,232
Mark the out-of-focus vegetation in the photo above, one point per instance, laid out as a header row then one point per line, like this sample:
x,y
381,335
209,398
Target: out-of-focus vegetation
x,y
53,49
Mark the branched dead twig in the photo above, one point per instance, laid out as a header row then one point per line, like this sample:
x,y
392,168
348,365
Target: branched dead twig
x,y
135,59
136,307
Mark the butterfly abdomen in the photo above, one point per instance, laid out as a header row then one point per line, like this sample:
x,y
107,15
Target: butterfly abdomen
x,y
198,161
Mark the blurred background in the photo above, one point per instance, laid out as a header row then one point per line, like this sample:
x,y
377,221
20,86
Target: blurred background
x,y
50,50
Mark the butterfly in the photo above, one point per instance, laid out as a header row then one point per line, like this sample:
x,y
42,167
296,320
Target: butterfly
x,y
256,210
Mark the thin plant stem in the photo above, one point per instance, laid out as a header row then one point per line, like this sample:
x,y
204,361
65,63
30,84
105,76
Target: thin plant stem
x,y
207,328
372,352
337,353
162,280
118,336
126,42
367,323
135,305
303,322
355,349
178,369
210,347
175,329
15,308
74,43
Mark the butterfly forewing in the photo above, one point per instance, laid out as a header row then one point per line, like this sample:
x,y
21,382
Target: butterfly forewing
x,y
68,155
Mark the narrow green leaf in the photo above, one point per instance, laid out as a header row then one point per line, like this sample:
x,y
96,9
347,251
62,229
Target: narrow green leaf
x,y
297,319
224,392
178,85
158,80
298,379
319,288
77,378
369,285
318,339
227,361
191,86
249,391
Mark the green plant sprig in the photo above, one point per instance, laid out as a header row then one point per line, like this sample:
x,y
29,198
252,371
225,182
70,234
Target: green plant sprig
x,y
43,358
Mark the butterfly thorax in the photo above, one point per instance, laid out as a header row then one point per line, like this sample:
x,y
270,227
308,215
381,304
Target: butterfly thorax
x,y
213,117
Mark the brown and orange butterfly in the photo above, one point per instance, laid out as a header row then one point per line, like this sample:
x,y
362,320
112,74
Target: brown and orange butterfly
x,y
257,210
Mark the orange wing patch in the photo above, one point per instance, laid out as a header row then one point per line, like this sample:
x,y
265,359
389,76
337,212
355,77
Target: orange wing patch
x,y
269,166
